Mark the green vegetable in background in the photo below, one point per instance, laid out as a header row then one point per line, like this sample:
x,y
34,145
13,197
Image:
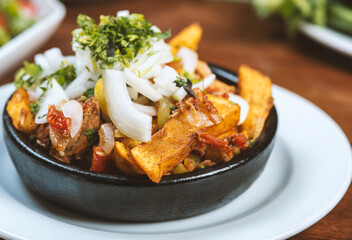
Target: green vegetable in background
x,y
337,14
13,21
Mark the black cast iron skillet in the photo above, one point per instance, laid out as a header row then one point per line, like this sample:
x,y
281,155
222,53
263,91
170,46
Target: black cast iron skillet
x,y
120,197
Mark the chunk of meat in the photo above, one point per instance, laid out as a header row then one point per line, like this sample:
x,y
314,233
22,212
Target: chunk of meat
x,y
177,138
42,135
217,149
19,110
65,147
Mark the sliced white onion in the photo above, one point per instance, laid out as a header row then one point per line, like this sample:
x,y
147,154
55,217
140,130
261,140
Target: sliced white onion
x,y
71,59
52,97
123,114
123,13
155,71
133,93
206,82
166,79
166,55
34,94
77,86
189,59
73,109
144,62
84,63
243,104
150,110
54,57
42,62
106,137
141,85
164,92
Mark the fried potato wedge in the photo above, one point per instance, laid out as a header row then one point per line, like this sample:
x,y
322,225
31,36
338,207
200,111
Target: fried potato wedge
x,y
20,112
124,161
129,142
202,69
188,37
255,88
229,111
218,87
175,141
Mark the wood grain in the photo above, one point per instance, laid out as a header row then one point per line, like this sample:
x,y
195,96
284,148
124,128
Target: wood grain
x,y
234,35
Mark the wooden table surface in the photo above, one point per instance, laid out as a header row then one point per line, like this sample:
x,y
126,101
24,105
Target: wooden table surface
x,y
233,35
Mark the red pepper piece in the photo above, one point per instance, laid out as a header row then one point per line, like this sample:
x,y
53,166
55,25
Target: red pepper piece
x,y
101,162
212,140
240,141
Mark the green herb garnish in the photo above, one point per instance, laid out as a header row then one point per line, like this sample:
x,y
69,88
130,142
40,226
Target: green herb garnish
x,y
186,84
91,133
89,93
34,107
176,59
65,75
28,75
83,98
190,76
172,108
115,39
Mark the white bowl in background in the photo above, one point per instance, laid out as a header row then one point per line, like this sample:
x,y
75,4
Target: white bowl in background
x,y
51,13
329,37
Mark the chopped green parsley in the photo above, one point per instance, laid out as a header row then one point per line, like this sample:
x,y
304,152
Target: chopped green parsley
x,y
34,107
115,39
190,76
65,75
89,93
28,75
91,133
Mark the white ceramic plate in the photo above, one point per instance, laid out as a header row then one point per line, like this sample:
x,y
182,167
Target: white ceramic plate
x,y
328,37
306,176
51,13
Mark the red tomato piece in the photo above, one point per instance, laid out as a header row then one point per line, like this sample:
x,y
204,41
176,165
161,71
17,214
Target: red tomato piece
x,y
58,121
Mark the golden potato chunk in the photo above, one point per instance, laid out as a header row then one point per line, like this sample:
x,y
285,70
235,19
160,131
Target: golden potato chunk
x,y
129,142
124,160
188,37
218,87
202,69
20,112
175,141
255,88
229,111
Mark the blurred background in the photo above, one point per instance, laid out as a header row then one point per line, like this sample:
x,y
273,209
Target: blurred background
x,y
278,37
